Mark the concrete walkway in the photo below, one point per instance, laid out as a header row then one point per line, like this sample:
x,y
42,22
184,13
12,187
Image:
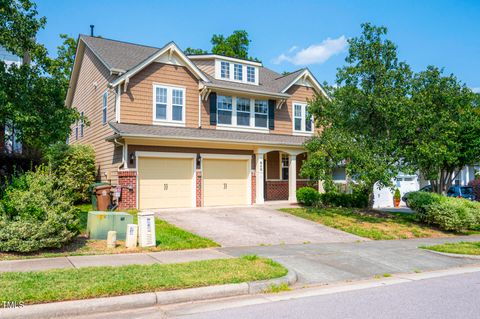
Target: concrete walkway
x,y
164,257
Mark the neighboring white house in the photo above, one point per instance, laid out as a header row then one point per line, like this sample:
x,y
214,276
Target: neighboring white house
x,y
11,143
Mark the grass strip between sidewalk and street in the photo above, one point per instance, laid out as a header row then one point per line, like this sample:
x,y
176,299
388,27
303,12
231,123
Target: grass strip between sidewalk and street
x,y
371,224
95,282
168,237
462,248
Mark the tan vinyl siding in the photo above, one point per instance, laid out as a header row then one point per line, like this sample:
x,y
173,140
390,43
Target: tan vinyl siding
x,y
137,103
207,66
91,84
284,116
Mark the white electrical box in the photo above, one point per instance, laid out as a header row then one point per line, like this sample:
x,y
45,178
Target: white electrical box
x,y
132,236
146,229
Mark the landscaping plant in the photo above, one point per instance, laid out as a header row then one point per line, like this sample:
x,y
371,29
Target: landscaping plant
x,y
397,197
36,212
337,199
75,167
308,196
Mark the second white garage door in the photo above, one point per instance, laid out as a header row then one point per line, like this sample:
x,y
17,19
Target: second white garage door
x,y
165,182
225,182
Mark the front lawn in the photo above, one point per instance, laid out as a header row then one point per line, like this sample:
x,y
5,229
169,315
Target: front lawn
x,y
168,236
95,282
464,248
369,224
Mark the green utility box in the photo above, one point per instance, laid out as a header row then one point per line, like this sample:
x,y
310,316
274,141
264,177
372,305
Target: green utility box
x,y
100,223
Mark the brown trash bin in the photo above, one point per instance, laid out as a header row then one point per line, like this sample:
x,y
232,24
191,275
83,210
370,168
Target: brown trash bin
x,y
103,197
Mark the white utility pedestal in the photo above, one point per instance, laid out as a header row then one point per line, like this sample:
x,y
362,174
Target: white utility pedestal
x,y
146,229
111,239
132,236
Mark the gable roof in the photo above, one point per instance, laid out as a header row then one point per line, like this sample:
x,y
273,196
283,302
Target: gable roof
x,y
126,59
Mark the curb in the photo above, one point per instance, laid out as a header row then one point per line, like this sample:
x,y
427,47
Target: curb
x,y
145,300
464,256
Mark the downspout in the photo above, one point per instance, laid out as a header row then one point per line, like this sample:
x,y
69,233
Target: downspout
x,y
124,161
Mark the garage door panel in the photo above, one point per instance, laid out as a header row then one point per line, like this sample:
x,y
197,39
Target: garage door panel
x,y
225,182
165,182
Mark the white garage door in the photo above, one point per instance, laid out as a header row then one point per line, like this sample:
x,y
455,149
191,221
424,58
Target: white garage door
x,y
225,182
165,182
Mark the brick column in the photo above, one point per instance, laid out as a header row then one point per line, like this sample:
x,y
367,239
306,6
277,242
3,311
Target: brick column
x,y
128,181
199,188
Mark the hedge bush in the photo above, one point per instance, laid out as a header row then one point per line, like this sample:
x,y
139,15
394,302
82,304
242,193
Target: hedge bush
x,y
356,199
36,212
447,213
308,196
75,167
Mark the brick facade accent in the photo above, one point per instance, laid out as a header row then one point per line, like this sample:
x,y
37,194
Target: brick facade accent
x,y
254,187
278,190
128,181
199,188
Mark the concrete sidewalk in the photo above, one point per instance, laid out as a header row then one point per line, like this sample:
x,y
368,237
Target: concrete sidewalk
x,y
164,257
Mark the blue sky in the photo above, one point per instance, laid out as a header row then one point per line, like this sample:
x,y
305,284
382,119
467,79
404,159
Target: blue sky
x,y
286,35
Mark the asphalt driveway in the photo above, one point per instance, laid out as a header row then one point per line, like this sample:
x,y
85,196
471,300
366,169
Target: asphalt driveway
x,y
252,226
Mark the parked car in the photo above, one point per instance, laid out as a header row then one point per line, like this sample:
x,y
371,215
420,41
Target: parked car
x,y
454,191
461,192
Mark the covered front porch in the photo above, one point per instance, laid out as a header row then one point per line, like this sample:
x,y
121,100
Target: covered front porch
x,y
277,174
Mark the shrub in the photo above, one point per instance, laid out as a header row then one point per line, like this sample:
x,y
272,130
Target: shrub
x,y
448,213
476,188
455,214
308,196
356,199
397,194
75,166
420,201
36,213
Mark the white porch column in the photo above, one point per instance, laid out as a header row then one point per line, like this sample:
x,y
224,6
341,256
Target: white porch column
x,y
292,178
259,171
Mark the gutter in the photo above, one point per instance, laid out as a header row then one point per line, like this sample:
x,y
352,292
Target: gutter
x,y
217,140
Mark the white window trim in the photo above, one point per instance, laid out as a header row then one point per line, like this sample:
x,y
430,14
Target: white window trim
x,y
105,107
302,131
240,72
254,74
281,165
228,77
231,77
169,111
251,127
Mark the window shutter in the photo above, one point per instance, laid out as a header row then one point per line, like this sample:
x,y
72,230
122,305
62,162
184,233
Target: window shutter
x,y
213,108
271,114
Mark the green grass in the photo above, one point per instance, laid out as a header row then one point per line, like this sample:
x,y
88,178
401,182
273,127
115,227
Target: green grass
x,y
369,224
168,237
278,288
95,282
464,248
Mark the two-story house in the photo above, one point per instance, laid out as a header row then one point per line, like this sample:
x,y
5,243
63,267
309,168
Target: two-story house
x,y
190,131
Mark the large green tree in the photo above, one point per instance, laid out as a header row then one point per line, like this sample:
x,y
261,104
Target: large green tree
x,y
235,45
365,117
32,94
447,127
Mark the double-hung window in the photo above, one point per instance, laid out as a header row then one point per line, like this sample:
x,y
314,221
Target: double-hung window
x,y
303,122
238,72
224,109
104,107
261,113
224,70
169,104
250,74
285,164
243,111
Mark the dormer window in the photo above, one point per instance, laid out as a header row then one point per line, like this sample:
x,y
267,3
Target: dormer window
x,y
238,72
225,70
250,74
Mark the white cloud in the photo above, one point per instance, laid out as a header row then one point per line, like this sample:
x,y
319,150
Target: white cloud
x,y
314,54
476,90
